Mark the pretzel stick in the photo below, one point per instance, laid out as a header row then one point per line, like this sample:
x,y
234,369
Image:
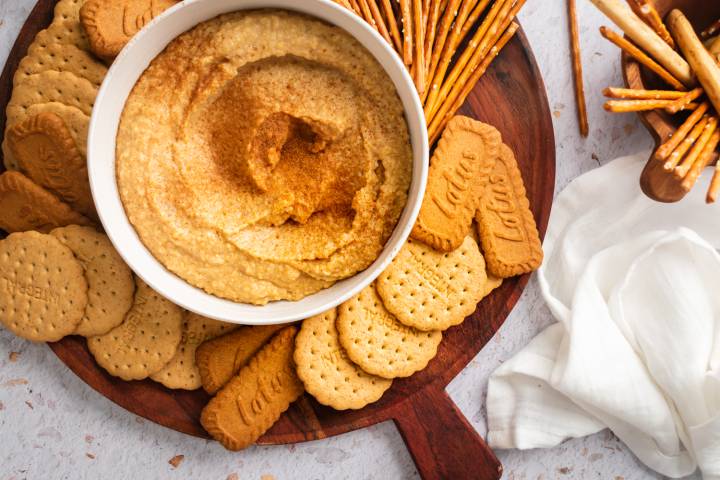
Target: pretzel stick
x,y
632,94
447,19
378,20
392,23
419,59
647,11
495,22
711,30
714,47
577,69
472,18
714,186
692,156
406,19
355,7
344,3
647,39
671,144
703,161
463,88
704,65
433,19
624,106
681,102
641,57
686,144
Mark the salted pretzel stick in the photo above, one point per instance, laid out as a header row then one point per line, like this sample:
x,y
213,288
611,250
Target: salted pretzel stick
x,y
641,57
430,32
344,3
472,18
577,69
646,38
447,20
647,11
694,153
451,46
355,7
714,186
418,47
711,30
687,143
633,94
703,161
496,22
377,20
458,96
407,31
681,102
392,24
704,65
366,14
671,144
624,106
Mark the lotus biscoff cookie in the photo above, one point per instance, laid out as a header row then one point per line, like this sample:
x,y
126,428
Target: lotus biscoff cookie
x,y
110,281
327,372
431,290
26,206
464,155
182,371
221,358
110,24
146,340
508,233
378,343
254,399
45,151
43,292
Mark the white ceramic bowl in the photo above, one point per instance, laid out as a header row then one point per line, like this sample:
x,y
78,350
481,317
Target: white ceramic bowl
x,y
121,78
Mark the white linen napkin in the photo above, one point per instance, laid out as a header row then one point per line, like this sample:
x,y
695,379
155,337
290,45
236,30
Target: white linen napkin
x,y
635,288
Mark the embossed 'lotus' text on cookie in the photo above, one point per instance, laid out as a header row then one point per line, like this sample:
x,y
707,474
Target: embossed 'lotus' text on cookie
x,y
458,171
506,225
267,391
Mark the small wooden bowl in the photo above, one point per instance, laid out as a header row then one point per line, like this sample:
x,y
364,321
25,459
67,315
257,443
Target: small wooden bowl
x,y
655,182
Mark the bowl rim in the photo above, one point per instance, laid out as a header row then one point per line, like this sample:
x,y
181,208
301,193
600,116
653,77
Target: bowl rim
x,y
119,81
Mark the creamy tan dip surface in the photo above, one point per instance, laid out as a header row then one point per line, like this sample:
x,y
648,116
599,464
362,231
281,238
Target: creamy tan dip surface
x,y
263,156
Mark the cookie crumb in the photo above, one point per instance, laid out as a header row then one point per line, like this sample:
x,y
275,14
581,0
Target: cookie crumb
x,y
176,460
90,456
14,356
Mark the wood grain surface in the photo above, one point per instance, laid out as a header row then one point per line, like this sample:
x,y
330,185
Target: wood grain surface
x,y
510,96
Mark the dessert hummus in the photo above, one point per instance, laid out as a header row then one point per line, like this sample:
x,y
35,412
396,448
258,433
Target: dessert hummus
x,y
264,155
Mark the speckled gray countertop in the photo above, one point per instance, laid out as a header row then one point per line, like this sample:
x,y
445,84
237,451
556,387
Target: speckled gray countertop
x,y
52,425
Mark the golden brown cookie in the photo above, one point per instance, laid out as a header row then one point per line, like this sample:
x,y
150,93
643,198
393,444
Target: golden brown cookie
x,y
327,372
378,343
146,340
506,225
45,151
182,371
62,58
110,24
492,283
463,157
52,86
221,358
110,281
67,10
254,400
43,291
26,206
431,290
65,32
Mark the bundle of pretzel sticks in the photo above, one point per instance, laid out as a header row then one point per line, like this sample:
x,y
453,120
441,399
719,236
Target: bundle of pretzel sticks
x,y
447,45
689,64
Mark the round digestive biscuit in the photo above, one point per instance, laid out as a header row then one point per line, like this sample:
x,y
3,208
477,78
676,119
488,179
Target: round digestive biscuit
x,y
431,290
145,342
182,371
64,32
43,291
327,372
110,281
67,10
378,343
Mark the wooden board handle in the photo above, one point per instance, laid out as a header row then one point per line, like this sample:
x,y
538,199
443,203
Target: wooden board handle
x,y
441,440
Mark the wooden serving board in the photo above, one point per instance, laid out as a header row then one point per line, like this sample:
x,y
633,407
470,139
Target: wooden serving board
x,y
443,443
